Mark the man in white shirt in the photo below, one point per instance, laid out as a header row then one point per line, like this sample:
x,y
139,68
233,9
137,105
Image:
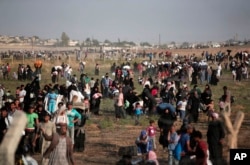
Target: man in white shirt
x,y
22,94
181,107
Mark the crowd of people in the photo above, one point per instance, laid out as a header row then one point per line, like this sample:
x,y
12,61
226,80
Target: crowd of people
x,y
166,93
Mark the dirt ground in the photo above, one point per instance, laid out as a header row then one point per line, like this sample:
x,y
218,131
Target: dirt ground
x,y
101,146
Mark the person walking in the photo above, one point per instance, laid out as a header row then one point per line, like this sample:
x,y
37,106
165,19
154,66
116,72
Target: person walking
x,y
61,118
173,139
138,112
119,103
60,151
49,127
73,117
181,107
215,137
201,149
151,130
4,122
193,107
30,128
226,98
52,96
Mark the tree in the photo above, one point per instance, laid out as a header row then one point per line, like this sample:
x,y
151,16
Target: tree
x,y
145,44
36,37
64,39
131,43
88,41
107,41
185,45
95,42
172,43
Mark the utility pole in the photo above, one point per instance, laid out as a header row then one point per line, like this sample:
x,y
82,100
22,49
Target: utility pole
x,y
159,44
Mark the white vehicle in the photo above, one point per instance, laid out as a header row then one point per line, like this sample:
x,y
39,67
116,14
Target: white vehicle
x,y
216,45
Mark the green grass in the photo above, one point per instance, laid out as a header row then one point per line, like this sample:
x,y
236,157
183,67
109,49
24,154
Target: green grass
x,y
106,123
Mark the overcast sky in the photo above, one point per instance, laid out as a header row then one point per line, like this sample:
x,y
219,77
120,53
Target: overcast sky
x,y
131,20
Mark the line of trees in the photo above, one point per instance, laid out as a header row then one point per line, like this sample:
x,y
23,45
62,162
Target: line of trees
x,y
94,42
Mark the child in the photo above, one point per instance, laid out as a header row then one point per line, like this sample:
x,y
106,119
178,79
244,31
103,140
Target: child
x,y
173,139
201,149
151,130
210,110
15,77
138,112
52,96
181,107
221,104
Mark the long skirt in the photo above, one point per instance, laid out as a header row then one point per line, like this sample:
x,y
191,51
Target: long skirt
x,y
79,145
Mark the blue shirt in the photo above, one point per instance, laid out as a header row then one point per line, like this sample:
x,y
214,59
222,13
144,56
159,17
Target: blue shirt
x,y
72,115
52,97
105,81
183,140
174,141
138,111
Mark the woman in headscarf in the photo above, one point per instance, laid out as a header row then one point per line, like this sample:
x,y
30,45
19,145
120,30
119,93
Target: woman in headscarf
x,y
152,158
95,100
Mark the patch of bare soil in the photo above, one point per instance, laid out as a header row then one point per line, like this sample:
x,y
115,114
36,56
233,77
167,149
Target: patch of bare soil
x,y
101,146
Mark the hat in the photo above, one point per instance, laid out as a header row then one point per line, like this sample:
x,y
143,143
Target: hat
x,y
215,115
143,133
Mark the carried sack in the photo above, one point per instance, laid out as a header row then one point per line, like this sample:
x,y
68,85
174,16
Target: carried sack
x,y
177,151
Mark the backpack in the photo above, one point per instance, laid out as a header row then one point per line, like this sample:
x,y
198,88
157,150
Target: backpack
x,y
177,151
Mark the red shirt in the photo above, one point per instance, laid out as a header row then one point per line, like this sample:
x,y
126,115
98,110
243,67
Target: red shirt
x,y
151,131
201,149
